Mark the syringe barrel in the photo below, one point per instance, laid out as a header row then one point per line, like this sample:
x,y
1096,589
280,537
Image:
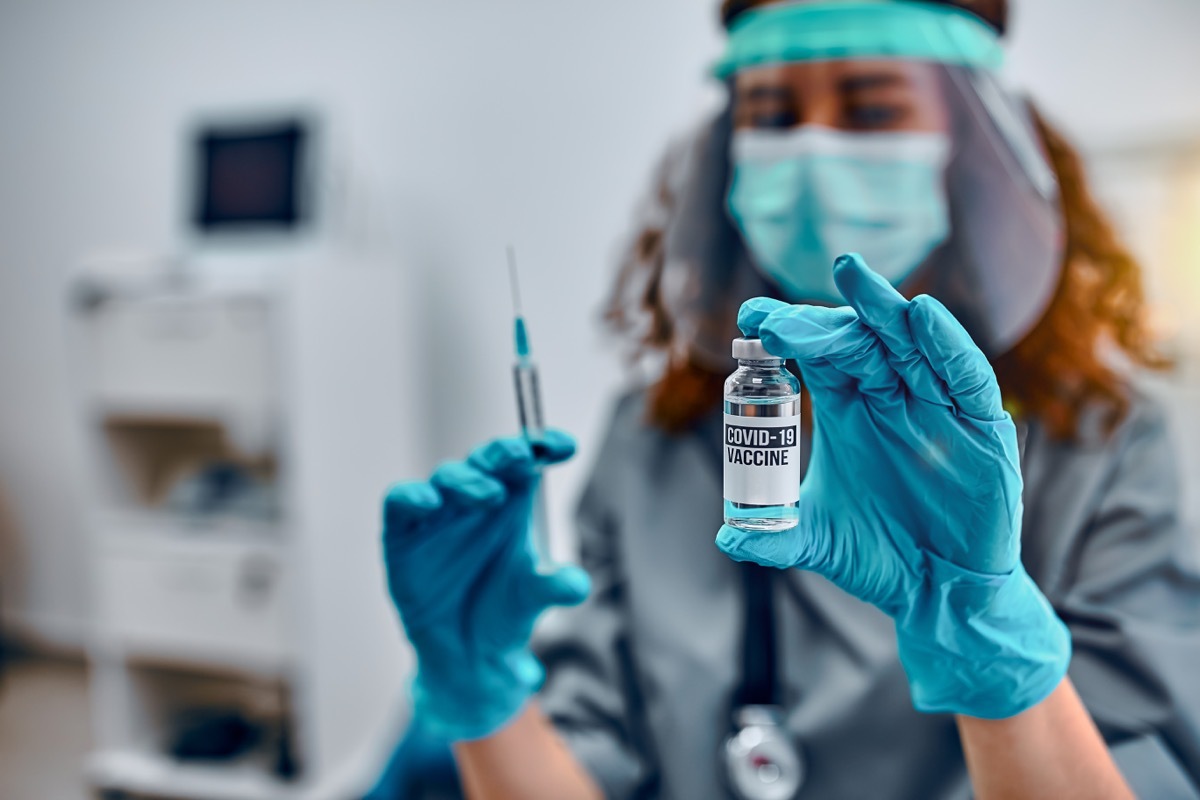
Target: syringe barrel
x,y
529,411
529,400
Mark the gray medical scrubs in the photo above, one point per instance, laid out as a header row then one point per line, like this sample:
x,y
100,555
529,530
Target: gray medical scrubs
x,y
640,677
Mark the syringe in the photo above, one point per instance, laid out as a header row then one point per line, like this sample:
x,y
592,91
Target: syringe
x,y
529,411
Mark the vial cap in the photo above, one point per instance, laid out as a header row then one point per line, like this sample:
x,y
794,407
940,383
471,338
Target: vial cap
x,y
751,350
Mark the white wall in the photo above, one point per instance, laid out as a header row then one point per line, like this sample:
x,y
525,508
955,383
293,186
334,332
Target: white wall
x,y
1110,70
464,126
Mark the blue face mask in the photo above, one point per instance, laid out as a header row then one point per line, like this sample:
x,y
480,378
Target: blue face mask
x,y
805,196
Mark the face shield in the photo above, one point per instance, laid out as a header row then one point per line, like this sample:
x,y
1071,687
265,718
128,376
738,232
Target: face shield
x,y
876,127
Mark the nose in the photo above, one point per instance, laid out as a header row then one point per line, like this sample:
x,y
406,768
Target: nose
x,y
823,110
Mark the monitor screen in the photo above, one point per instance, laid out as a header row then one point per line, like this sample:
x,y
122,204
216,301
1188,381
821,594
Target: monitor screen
x,y
250,178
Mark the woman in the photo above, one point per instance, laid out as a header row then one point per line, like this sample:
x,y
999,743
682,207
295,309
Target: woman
x,y
912,636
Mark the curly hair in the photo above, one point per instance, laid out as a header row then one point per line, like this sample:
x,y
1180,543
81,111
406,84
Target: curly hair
x,y
1052,375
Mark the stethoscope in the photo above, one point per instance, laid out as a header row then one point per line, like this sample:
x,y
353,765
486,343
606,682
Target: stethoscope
x,y
762,761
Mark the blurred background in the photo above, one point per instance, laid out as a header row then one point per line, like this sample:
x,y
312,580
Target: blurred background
x,y
252,269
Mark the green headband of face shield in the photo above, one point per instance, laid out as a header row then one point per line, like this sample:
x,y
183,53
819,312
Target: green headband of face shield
x,y
859,29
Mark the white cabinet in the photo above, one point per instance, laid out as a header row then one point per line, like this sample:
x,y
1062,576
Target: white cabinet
x,y
277,607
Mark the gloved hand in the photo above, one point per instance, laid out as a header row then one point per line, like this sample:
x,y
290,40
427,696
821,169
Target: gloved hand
x,y
912,500
462,573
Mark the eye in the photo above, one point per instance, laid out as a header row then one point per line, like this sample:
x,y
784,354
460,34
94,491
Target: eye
x,y
874,116
774,120
766,106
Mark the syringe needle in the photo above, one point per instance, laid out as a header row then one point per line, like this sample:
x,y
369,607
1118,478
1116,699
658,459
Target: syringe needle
x,y
520,333
512,280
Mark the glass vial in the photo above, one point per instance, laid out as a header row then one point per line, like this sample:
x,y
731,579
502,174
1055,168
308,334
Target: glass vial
x,y
762,441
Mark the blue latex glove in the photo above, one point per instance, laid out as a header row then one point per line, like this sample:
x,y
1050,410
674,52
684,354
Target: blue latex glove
x,y
462,573
421,766
912,500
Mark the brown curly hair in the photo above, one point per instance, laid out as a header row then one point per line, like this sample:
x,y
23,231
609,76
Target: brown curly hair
x,y
1051,375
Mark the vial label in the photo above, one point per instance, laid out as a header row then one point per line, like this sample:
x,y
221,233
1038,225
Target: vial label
x,y
762,460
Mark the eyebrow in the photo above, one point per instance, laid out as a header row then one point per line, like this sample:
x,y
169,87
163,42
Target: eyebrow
x,y
766,93
875,80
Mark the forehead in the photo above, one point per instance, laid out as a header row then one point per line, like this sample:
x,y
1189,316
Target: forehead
x,y
914,76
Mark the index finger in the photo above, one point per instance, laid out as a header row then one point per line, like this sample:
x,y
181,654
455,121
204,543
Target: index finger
x,y
754,313
831,345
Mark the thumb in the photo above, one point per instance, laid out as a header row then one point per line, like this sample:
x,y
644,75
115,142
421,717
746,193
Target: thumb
x,y
779,549
567,586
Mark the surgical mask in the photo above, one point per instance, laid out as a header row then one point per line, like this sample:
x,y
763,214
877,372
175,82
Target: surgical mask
x,y
805,196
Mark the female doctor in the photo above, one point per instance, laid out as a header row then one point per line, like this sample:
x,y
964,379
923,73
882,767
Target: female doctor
x,y
984,594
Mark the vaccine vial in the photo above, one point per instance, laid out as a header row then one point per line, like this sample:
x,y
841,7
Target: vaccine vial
x,y
762,441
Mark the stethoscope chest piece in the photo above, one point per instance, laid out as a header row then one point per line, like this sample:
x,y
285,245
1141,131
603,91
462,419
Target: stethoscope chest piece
x,y
761,761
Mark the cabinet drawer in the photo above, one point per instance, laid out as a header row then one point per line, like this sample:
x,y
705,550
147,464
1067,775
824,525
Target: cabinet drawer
x,y
202,351
212,602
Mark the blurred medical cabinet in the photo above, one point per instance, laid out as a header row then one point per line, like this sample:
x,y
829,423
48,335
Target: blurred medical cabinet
x,y
240,430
